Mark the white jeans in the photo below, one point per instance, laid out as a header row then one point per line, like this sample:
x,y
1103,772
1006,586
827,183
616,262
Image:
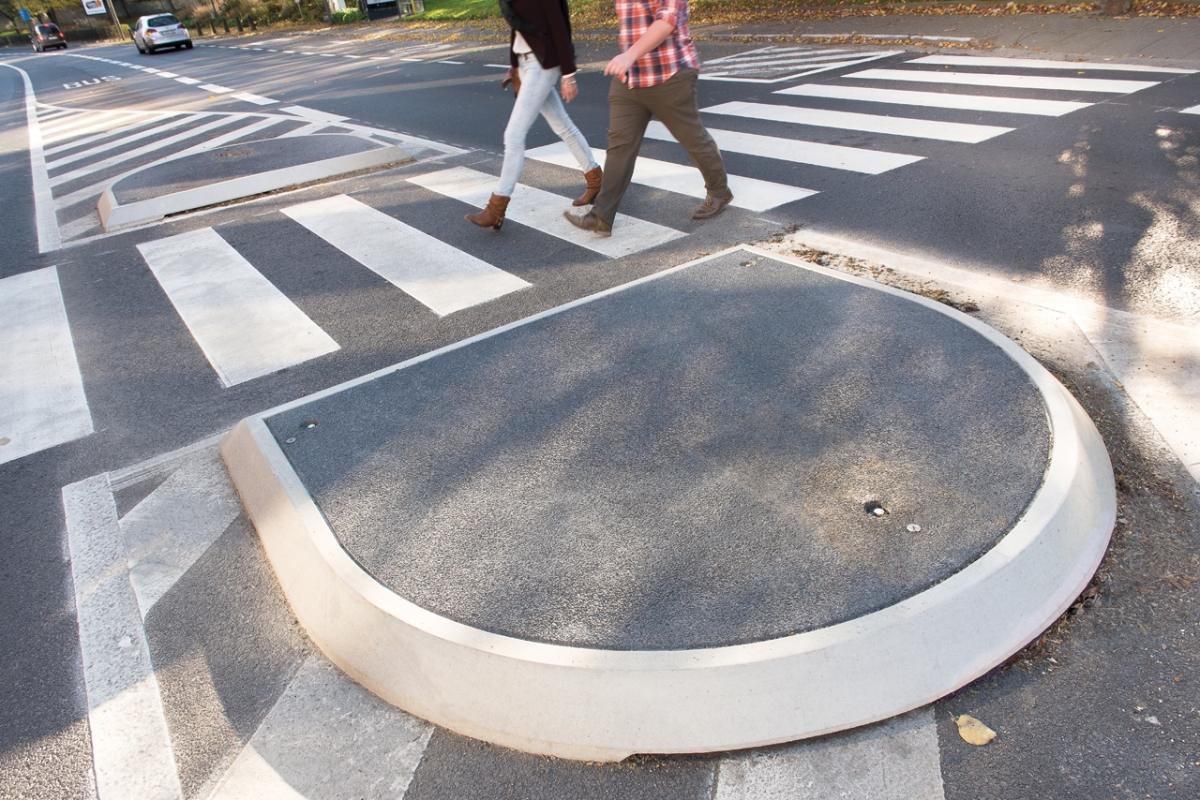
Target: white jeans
x,y
538,95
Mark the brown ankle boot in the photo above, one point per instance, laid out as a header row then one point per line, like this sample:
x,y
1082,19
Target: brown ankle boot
x,y
593,177
492,216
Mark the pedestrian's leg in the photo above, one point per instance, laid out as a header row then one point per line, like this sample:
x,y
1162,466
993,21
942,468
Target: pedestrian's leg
x,y
674,103
627,121
536,85
562,124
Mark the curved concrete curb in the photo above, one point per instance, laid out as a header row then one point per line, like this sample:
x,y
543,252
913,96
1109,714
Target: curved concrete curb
x,y
114,215
605,705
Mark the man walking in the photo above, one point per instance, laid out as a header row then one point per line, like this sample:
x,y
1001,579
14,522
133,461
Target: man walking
x,y
655,75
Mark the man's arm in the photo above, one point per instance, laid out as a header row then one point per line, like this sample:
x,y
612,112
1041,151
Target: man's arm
x,y
655,35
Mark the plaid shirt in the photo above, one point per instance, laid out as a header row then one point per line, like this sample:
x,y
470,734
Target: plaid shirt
x,y
677,52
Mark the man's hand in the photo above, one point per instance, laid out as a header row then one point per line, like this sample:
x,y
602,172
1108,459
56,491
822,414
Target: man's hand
x,y
655,35
621,65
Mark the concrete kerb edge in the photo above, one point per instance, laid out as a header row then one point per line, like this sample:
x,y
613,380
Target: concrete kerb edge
x,y
604,705
113,215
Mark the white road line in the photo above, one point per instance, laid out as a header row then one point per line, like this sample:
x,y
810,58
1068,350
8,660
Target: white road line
x,y
967,102
543,211
160,74
1100,85
434,273
854,159
42,401
1192,110
758,56
105,126
749,193
214,88
131,746
97,166
46,116
246,327
57,129
736,76
852,121
894,760
139,122
124,141
374,757
257,100
313,114
171,528
1034,63
187,81
750,65
48,234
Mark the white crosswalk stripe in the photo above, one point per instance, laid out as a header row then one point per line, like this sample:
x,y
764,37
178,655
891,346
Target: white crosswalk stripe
x,y
965,102
244,325
1100,85
853,159
748,193
543,210
442,277
1037,63
854,121
42,400
775,64
1192,110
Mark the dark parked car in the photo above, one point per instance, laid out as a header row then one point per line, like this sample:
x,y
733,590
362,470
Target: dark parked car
x,y
160,30
47,35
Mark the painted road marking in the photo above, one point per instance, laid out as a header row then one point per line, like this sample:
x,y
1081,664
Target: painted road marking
x,y
244,325
1192,110
131,747
852,121
160,144
123,141
1101,85
257,100
1034,63
967,102
748,193
894,760
440,276
854,159
42,401
543,211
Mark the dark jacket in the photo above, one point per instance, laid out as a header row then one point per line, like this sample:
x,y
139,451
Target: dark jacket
x,y
552,42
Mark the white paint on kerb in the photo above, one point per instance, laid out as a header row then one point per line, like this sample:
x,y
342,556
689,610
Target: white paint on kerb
x,y
1037,63
442,277
749,193
854,159
854,121
131,746
894,760
1010,81
543,211
968,102
43,198
42,400
246,327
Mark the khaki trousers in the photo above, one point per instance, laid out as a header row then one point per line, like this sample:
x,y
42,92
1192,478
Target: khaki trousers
x,y
674,103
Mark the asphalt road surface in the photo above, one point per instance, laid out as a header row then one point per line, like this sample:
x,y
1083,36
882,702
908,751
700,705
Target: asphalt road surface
x,y
1082,178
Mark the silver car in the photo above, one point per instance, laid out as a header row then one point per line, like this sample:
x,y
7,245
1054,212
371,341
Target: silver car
x,y
158,31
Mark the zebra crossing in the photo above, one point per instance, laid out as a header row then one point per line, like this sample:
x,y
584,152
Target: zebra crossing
x,y
86,151
215,289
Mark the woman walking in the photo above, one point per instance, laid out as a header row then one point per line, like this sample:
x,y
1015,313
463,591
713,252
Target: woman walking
x,y
541,54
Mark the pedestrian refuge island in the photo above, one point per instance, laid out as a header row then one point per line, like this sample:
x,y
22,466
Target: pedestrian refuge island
x,y
743,501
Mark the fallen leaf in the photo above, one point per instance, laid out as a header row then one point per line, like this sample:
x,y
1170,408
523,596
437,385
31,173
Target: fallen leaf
x,y
973,731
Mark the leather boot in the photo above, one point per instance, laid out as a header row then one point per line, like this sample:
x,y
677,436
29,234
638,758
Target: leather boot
x,y
593,177
492,216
